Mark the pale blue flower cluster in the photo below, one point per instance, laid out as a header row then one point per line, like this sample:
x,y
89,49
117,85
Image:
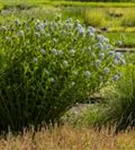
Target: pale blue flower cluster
x,y
87,74
72,52
115,77
65,63
71,45
54,51
21,33
101,56
42,51
119,59
106,70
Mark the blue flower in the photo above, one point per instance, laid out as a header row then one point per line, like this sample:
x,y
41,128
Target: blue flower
x,y
54,51
40,26
87,74
90,34
21,33
106,70
52,80
116,61
65,63
92,30
73,83
69,20
81,31
42,51
101,56
102,39
35,60
117,55
72,52
111,53
100,46
115,77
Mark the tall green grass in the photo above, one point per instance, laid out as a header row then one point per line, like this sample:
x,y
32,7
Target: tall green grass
x,y
118,108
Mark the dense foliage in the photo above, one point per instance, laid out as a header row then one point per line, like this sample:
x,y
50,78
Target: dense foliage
x,y
46,66
118,108
121,106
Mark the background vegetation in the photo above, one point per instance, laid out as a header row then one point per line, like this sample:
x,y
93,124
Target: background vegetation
x,y
104,0
117,25
114,20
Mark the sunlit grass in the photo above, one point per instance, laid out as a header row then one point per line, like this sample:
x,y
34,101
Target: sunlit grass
x,y
69,138
71,3
126,37
68,3
113,16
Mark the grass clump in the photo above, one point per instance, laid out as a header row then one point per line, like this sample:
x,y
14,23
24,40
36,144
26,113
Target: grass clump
x,y
128,19
118,108
121,110
94,18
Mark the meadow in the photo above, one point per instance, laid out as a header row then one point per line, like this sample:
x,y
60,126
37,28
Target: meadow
x,y
56,56
115,20
69,138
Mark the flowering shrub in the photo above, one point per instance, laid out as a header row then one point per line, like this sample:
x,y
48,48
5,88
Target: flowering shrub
x,y
47,66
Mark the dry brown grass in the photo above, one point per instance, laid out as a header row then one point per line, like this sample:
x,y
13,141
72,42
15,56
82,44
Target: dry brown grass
x,y
69,138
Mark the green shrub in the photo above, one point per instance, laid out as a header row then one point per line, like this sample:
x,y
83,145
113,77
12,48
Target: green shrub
x,y
47,66
119,107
